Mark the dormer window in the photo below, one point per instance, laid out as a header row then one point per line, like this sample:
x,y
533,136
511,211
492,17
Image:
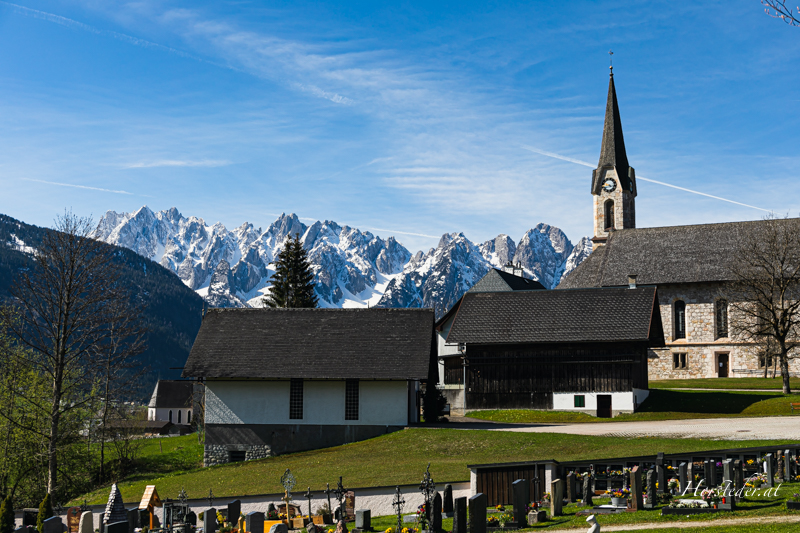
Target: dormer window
x,y
609,215
680,319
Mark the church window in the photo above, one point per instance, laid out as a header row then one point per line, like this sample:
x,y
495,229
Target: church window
x,y
722,318
765,360
679,361
680,319
296,399
609,215
351,400
170,415
179,416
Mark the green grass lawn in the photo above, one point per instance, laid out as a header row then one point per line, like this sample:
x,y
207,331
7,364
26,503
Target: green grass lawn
x,y
663,404
725,383
397,458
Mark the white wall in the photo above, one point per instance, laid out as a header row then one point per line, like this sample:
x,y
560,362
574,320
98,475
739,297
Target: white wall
x,y
267,402
620,401
443,348
162,413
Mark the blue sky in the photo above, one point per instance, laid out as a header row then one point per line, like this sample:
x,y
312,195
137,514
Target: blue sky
x,y
414,117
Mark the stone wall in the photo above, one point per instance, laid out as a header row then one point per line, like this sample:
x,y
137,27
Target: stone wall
x,y
219,454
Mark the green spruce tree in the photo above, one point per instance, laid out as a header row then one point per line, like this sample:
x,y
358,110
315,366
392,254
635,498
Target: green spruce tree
x,y
45,512
293,281
7,516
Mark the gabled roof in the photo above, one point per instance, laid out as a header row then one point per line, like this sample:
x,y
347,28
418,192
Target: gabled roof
x,y
313,344
172,393
612,149
581,315
675,254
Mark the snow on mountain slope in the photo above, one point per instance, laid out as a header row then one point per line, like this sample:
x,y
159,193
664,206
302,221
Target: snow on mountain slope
x,y
231,268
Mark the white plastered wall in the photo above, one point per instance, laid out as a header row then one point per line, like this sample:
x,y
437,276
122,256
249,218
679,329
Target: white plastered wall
x,y
620,401
162,413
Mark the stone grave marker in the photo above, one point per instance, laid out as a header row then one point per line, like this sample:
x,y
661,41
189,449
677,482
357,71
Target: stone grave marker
x,y
279,528
30,517
436,513
460,515
210,520
787,466
234,511
24,529
86,523
587,490
651,489
364,520
727,477
54,525
477,513
556,497
521,491
779,469
133,519
73,519
117,527
770,470
115,509
447,501
661,473
683,476
738,477
254,522
572,488
637,501
190,518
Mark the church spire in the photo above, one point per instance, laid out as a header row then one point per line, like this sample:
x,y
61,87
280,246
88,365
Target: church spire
x,y
612,151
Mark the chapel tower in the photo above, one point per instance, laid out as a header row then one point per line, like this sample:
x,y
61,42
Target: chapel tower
x,y
613,181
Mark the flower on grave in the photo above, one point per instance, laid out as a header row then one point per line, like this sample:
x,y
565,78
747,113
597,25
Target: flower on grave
x,y
546,497
719,463
492,520
389,530
405,530
504,519
618,493
750,462
673,483
500,507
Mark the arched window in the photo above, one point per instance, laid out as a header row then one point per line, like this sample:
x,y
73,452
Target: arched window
x,y
179,416
170,415
722,318
609,214
680,319
188,417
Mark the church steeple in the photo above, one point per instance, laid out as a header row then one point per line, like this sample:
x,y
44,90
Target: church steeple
x,y
614,180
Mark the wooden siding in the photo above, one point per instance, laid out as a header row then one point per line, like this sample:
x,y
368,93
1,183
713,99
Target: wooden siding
x,y
454,371
496,482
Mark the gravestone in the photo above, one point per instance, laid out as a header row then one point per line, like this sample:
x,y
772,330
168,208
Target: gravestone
x,y
727,477
477,513
350,506
572,488
190,518
115,509
661,473
521,491
54,525
133,519
24,529
556,497
279,528
738,477
73,519
536,516
254,522
86,524
651,490
447,502
586,487
30,517
436,513
364,519
770,467
779,469
787,466
637,501
683,477
210,520
234,512
117,527
460,515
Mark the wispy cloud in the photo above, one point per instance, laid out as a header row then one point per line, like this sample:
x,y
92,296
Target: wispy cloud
x,y
179,163
74,186
402,232
584,163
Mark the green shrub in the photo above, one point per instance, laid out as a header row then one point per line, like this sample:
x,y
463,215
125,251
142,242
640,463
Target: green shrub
x,y
7,523
45,512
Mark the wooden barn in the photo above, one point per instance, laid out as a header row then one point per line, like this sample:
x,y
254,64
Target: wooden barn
x,y
577,350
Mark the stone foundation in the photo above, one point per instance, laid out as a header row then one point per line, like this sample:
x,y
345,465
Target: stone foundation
x,y
219,454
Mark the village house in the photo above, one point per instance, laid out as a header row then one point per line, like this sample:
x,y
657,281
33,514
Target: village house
x,y
690,265
287,380
172,401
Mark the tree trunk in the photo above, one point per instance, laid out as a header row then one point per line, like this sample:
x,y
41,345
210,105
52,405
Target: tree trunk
x,y
785,368
52,448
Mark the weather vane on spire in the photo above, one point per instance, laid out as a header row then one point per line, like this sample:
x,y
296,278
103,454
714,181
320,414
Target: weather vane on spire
x,y
611,61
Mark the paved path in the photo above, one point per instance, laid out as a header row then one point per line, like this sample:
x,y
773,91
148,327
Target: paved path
x,y
777,427
752,522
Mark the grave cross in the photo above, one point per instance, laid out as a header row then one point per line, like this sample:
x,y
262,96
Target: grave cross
x,y
428,489
182,496
288,481
57,508
398,503
210,498
84,507
328,492
536,485
340,492
309,496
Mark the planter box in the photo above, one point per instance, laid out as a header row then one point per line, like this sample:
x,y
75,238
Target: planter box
x,y
323,519
793,506
299,522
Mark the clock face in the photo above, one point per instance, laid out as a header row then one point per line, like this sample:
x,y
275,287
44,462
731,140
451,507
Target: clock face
x,y
609,185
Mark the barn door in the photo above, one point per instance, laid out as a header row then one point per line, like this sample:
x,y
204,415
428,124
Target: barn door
x,y
604,406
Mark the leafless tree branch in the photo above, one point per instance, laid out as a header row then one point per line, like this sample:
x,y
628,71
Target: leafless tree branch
x,y
778,9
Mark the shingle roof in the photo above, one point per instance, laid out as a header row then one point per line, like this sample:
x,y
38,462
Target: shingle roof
x,y
612,149
172,393
313,343
675,254
581,315
515,283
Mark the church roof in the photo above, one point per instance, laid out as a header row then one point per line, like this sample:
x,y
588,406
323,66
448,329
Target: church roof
x,y
612,149
674,254
172,393
581,315
500,280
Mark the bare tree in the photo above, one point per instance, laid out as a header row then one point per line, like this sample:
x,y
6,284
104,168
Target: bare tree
x,y
778,9
66,307
766,290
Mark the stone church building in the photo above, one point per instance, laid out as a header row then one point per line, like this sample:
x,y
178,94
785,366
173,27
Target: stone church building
x,y
688,264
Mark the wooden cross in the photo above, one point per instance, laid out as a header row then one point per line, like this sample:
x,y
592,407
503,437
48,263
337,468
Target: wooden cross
x,y
328,492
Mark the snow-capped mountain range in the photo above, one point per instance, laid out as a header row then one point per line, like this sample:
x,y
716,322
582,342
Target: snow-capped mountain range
x,y
353,268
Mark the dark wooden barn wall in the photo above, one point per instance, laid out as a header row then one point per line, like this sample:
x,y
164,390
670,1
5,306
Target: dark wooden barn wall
x,y
496,483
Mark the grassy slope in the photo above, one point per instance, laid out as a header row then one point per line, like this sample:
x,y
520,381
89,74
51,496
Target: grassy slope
x,y
725,383
397,458
665,404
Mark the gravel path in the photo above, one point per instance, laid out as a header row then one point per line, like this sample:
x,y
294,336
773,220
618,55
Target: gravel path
x,y
696,524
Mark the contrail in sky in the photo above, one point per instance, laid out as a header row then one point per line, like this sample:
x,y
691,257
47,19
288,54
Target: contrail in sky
x,y
79,186
584,163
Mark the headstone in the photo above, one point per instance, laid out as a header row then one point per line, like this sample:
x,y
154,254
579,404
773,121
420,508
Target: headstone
x,y
727,476
54,525
190,519
116,527
683,476
537,516
738,476
210,520
86,524
278,528
341,527
587,490
521,491
712,474
364,519
572,488
133,519
787,466
234,511
115,509
460,515
637,501
556,497
770,466
254,522
350,505
661,473
477,513
73,519
779,469
436,513
447,502
30,517
24,529
651,489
